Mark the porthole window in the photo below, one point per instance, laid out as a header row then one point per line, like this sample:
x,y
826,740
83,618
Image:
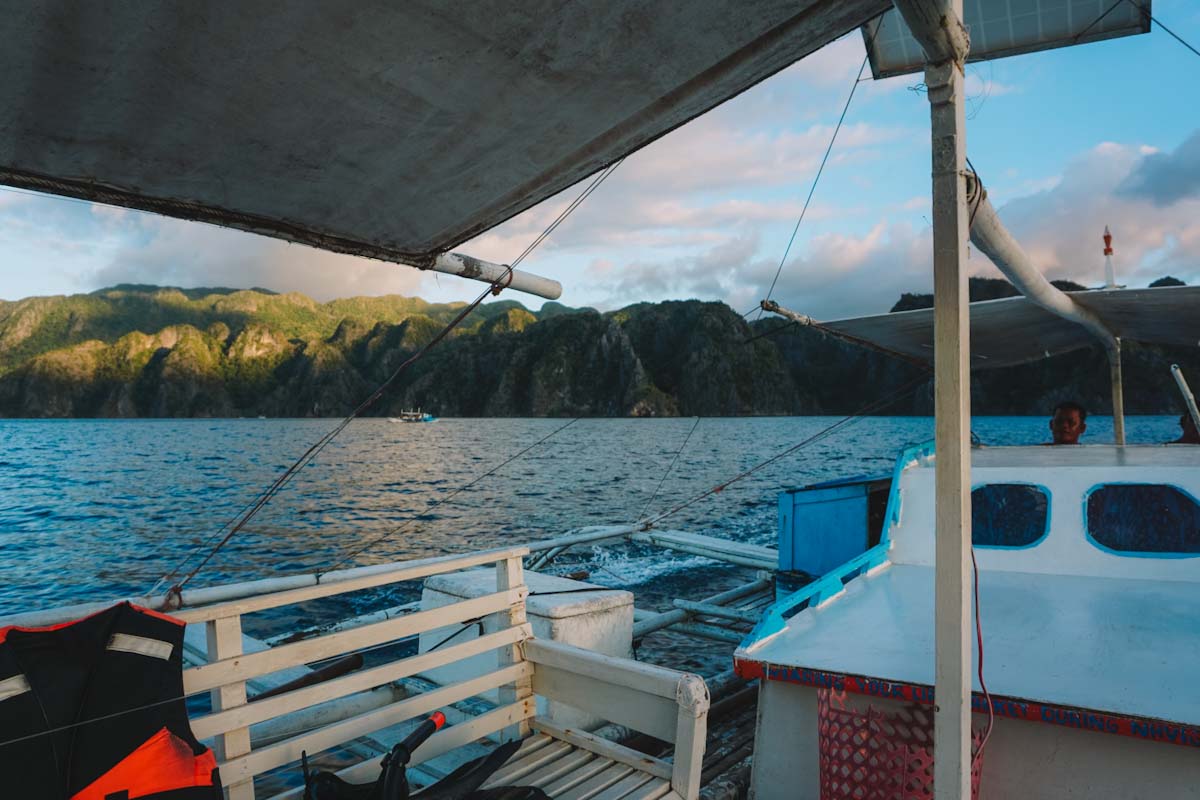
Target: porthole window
x,y
1144,518
1008,514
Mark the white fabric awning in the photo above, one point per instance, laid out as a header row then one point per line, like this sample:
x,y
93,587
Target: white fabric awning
x,y
1015,331
390,130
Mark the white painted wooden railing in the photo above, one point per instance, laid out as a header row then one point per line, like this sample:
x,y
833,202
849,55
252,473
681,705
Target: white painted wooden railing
x,y
229,669
664,703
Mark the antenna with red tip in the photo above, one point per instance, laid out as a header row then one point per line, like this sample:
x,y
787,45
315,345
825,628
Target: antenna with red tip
x,y
1110,277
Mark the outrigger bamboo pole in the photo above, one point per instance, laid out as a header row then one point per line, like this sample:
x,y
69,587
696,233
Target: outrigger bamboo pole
x,y
678,615
937,25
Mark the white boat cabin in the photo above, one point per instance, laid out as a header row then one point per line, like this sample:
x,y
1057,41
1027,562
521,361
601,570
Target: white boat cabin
x,y
1089,603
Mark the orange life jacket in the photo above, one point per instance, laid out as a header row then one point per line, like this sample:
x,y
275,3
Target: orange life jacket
x,y
93,710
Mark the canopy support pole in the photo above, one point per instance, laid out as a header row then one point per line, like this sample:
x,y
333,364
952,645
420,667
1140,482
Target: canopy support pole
x,y
1186,391
937,25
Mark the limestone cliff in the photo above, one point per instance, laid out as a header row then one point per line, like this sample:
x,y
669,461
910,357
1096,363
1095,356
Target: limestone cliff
x,y
147,351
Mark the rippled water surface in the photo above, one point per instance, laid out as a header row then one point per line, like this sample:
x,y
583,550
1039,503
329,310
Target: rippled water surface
x,y
96,509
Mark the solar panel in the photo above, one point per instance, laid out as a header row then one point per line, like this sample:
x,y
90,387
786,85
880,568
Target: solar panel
x,y
1002,28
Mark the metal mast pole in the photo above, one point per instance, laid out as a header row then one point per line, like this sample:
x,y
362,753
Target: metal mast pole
x,y
937,25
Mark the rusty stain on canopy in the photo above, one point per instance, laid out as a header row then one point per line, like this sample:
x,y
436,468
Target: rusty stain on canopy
x,y
389,130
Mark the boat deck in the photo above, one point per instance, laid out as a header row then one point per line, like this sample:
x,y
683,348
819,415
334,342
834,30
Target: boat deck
x,y
1112,645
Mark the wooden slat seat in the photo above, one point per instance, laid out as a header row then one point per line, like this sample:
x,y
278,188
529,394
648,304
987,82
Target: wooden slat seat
x,y
569,772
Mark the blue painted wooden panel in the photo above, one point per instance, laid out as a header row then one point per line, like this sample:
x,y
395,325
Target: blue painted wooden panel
x,y
822,527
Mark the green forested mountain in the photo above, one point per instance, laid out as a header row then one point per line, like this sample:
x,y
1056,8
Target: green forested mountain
x,y
148,351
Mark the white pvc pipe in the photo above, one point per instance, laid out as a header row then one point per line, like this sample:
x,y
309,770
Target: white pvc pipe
x,y
990,236
993,239
1188,397
479,270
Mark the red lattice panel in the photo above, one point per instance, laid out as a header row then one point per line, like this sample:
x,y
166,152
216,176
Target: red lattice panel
x,y
875,754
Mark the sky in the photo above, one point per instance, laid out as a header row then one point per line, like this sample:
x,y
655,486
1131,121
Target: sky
x,y
1066,141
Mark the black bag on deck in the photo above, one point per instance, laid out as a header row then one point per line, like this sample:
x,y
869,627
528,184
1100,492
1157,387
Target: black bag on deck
x,y
392,784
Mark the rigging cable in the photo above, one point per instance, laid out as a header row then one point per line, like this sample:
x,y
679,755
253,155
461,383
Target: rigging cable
x,y
406,525
670,467
595,184
1146,13
315,449
256,505
869,408
821,169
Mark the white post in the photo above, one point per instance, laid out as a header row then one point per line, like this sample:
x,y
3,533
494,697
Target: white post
x,y
936,24
510,575
952,431
225,641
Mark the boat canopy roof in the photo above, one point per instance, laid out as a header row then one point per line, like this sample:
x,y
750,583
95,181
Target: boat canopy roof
x,y
1015,330
390,130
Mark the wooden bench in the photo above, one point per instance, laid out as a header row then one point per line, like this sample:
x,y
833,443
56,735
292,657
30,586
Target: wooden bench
x,y
567,763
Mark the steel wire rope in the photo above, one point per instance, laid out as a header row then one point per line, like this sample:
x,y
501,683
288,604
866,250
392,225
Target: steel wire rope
x,y
562,216
824,159
254,506
671,466
869,408
442,501
1146,13
777,329
315,449
979,195
757,307
595,184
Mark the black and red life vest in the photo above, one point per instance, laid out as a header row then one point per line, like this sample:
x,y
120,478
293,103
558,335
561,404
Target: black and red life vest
x,y
122,669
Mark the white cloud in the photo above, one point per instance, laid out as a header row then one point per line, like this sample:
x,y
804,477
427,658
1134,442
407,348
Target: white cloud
x,y
1151,202
187,254
976,88
846,274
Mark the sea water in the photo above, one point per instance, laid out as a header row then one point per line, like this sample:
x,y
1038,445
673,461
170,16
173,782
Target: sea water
x,y
99,509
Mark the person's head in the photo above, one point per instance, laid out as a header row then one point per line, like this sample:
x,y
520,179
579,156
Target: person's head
x,y
1188,426
1068,423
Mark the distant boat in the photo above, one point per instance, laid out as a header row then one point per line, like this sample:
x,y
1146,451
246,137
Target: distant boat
x,y
414,416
